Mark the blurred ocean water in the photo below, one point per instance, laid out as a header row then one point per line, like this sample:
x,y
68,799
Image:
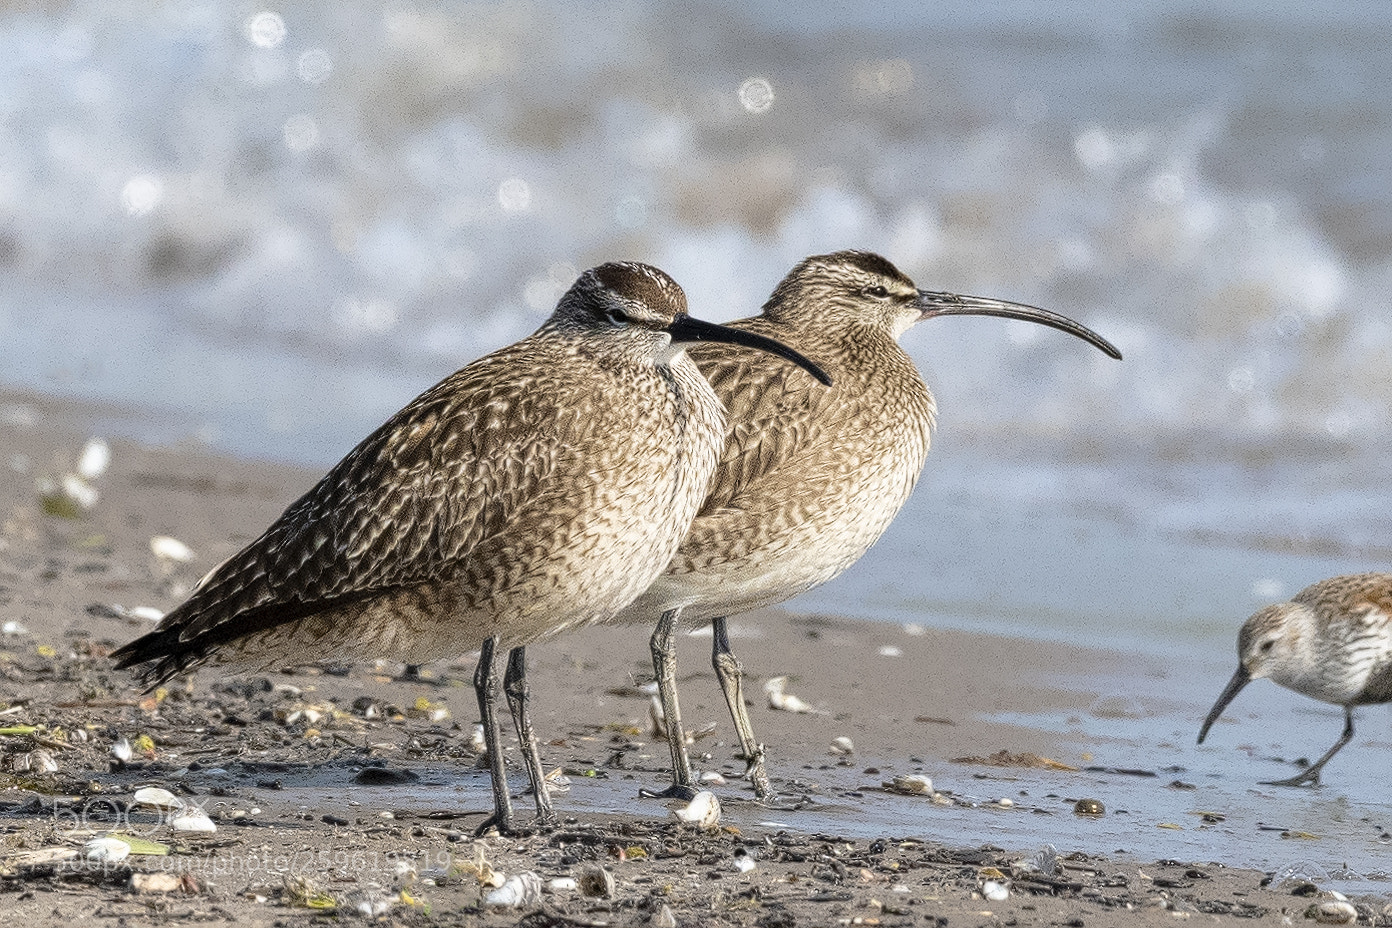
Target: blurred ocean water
x,y
270,226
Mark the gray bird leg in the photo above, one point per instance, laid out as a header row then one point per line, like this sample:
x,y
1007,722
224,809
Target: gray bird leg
x,y
1311,774
486,688
730,673
664,655
518,697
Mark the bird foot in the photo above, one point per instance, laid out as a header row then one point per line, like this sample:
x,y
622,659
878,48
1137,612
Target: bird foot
x,y
508,829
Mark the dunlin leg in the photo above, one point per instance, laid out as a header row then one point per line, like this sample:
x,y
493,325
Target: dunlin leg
x,y
730,673
486,688
518,697
1311,774
664,655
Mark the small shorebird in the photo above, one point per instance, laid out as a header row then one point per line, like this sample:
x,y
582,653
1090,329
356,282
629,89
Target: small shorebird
x,y
810,477
538,489
1332,642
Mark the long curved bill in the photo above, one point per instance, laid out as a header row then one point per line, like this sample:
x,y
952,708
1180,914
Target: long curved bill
x,y
1235,685
952,304
686,329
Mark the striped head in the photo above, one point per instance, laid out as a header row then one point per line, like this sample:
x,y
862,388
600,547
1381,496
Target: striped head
x,y
858,290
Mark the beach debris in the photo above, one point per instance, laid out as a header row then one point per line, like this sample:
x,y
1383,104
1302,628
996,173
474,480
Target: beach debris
x,y
39,761
299,892
891,650
1005,802
518,891
481,869
1090,807
994,891
913,784
779,698
171,550
711,778
43,857
95,459
105,850
370,902
160,882
913,629
121,750
477,743
156,797
556,780
743,861
596,882
191,818
148,613
562,884
1333,911
1004,758
13,629
663,917
703,811
1046,861
842,746
143,847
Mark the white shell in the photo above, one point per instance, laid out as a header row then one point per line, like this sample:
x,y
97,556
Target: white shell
x,y
13,629
148,613
156,797
519,890
779,698
1332,912
96,457
170,549
915,784
596,882
703,811
712,778
562,884
192,818
843,746
742,864
993,891
106,850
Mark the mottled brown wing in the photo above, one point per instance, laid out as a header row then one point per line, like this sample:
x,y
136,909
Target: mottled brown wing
x,y
407,505
775,412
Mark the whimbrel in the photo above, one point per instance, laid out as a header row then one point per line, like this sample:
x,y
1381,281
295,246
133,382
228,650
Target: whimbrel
x,y
810,477
1332,642
538,489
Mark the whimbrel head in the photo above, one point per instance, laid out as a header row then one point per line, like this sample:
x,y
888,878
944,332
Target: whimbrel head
x,y
1269,645
859,288
639,311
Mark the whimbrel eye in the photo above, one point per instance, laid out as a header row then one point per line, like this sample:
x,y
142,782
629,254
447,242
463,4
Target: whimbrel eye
x,y
616,317
876,291
1266,646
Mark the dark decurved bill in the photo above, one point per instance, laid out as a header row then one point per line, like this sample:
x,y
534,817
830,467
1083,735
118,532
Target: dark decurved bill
x,y
1235,685
952,304
686,329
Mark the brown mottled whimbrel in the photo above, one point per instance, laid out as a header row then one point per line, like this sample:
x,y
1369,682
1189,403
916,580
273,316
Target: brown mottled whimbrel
x,y
1332,642
538,489
810,477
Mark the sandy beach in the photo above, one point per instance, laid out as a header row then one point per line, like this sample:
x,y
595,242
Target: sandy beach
x,y
353,790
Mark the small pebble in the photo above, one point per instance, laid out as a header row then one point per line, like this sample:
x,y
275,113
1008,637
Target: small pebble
x,y
742,862
156,882
843,746
96,458
890,650
912,785
562,884
994,891
779,698
170,549
1332,912
1089,807
192,819
711,778
13,629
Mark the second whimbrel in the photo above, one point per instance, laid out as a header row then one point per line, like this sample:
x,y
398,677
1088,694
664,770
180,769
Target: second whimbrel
x,y
535,490
1331,642
810,478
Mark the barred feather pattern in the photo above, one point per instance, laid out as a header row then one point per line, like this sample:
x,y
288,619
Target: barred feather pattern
x,y
810,476
1332,641
538,489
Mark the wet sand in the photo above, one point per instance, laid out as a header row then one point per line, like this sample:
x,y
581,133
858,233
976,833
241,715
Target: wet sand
x,y
279,761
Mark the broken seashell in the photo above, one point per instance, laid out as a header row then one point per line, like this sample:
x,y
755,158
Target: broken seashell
x,y
157,798
703,811
519,890
170,549
780,698
914,784
596,882
193,819
105,850
843,746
